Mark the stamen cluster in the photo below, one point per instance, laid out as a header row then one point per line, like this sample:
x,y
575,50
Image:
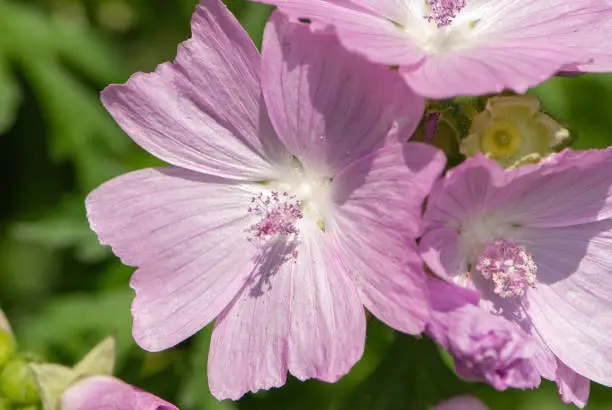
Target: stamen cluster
x,y
442,12
509,265
278,212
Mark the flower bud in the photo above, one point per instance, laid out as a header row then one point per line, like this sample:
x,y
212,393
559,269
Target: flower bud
x,y
17,383
8,347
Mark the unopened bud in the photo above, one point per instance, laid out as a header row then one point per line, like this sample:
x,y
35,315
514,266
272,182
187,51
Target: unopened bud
x,y
17,383
8,347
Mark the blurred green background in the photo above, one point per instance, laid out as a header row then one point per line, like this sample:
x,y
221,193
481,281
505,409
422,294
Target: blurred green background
x,y
64,292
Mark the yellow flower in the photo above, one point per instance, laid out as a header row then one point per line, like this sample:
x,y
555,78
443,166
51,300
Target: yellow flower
x,y
512,131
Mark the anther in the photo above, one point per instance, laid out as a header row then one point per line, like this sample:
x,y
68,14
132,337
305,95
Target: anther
x,y
442,12
509,265
278,213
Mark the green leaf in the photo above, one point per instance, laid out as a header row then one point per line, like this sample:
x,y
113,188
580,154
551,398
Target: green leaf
x,y
195,393
63,227
72,324
10,96
411,376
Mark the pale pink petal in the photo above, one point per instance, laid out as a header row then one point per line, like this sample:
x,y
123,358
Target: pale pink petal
x,y
571,307
186,233
490,46
331,107
327,318
380,199
442,251
204,112
485,70
248,350
573,387
568,188
461,403
303,316
359,29
104,392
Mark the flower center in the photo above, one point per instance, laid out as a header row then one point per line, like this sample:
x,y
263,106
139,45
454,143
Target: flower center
x,y
278,213
442,12
509,265
501,139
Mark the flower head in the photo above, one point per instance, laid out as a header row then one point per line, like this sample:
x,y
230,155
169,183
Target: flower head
x,y
535,242
446,48
287,172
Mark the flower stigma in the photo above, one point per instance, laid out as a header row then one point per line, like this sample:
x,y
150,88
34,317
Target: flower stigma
x,y
501,139
509,265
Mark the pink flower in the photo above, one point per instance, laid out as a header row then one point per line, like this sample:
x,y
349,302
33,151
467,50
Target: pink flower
x,y
105,392
281,220
535,241
461,403
485,347
446,48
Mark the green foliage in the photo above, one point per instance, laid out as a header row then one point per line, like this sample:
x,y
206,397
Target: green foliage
x,y
395,385
17,383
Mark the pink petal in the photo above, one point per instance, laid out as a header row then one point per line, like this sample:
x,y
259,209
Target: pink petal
x,y
204,112
248,350
461,403
573,387
484,70
442,252
359,27
512,44
325,103
571,187
185,232
380,199
570,307
303,316
103,392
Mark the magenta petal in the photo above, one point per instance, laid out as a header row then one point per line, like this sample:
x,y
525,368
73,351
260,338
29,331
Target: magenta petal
x,y
303,316
103,392
380,200
461,403
204,112
573,387
185,232
331,107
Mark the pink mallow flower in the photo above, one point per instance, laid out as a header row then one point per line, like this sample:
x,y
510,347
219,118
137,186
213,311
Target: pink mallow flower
x,y
446,48
461,403
535,242
282,232
105,392
485,347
